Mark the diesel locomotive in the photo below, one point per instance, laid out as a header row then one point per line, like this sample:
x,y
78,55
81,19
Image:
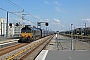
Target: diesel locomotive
x,y
29,34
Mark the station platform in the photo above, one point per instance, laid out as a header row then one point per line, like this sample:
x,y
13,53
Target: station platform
x,y
54,50
64,55
4,42
64,43
2,38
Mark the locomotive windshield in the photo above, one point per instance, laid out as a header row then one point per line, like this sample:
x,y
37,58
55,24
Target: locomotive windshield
x,y
26,30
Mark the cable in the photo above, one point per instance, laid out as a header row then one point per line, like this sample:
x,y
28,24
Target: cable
x,y
9,12
16,15
30,21
9,1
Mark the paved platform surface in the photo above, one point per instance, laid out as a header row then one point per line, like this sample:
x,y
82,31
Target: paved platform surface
x,y
61,50
64,55
68,55
2,38
64,43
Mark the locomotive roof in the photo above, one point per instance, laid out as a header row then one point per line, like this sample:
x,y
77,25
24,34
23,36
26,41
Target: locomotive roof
x,y
32,28
26,27
35,28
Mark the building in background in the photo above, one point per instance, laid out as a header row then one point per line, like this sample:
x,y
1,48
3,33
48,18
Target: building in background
x,y
13,29
2,27
17,30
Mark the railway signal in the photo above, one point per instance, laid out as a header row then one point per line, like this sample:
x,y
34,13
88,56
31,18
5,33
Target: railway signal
x,y
39,24
17,24
10,24
46,24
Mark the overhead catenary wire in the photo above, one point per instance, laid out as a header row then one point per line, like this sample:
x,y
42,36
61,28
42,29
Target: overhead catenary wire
x,y
9,12
9,1
29,20
23,10
15,14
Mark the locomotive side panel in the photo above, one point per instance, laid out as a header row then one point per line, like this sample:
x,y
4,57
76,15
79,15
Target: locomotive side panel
x,y
36,33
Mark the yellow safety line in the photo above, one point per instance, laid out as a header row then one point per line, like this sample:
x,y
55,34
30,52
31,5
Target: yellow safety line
x,y
24,50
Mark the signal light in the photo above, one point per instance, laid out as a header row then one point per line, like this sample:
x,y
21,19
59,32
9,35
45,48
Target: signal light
x,y
17,24
46,24
10,24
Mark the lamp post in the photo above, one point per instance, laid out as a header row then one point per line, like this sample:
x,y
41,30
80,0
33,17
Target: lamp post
x,y
7,26
71,38
85,28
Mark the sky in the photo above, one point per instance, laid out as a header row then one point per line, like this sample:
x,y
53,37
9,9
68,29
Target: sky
x,y
60,14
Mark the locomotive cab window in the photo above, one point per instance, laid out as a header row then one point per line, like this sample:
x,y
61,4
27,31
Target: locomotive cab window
x,y
26,30
23,30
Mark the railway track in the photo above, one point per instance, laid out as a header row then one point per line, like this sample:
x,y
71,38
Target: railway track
x,y
11,48
34,50
22,52
63,44
66,46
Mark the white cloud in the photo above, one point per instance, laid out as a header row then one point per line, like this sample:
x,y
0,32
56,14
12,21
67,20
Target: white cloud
x,y
56,20
46,2
57,3
57,23
88,20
